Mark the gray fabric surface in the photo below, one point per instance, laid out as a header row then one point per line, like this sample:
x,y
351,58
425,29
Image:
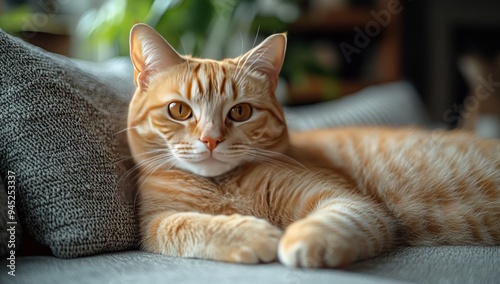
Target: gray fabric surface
x,y
141,267
445,264
396,104
417,265
58,135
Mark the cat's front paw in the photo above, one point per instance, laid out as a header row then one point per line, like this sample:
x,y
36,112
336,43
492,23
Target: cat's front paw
x,y
250,240
311,244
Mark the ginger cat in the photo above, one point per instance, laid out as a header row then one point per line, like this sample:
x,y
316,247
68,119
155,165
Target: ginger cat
x,y
222,179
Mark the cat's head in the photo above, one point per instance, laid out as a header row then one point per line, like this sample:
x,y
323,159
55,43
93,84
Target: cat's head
x,y
200,115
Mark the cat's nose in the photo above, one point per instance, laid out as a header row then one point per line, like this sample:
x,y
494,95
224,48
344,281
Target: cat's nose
x,y
211,142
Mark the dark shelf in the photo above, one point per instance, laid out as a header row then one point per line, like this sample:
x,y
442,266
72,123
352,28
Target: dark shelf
x,y
341,25
332,20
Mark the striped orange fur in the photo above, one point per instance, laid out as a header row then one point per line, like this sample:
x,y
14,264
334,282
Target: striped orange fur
x,y
221,177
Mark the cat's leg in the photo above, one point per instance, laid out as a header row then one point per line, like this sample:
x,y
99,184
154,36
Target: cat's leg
x,y
337,232
233,238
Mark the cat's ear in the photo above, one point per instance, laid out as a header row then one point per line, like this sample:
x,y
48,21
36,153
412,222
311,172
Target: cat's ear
x,y
150,53
267,57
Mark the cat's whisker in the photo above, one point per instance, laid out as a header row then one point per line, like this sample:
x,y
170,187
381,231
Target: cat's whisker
x,y
138,155
138,173
238,76
262,157
122,159
268,160
152,165
271,154
148,162
249,69
238,67
136,167
182,45
139,164
256,36
283,156
127,176
143,162
123,130
238,70
242,43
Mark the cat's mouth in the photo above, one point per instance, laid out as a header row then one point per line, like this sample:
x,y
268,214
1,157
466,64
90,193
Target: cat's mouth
x,y
209,167
210,160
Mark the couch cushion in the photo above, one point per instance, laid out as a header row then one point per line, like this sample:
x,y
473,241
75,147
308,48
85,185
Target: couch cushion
x,y
142,267
407,264
443,264
395,104
60,134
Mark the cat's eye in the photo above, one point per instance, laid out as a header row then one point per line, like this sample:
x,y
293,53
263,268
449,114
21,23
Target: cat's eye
x,y
240,113
179,111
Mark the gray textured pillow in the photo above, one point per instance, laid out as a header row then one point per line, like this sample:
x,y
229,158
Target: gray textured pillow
x,y
396,104
57,133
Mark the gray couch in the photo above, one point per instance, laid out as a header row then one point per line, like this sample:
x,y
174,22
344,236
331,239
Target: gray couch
x,y
418,265
106,262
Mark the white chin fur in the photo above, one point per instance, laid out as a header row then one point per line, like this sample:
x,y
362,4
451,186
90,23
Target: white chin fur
x,y
208,168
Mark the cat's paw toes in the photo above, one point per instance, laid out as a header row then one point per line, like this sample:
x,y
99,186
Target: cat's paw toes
x,y
254,240
311,244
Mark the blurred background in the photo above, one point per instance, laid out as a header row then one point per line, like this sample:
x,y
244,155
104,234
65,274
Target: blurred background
x,y
448,50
